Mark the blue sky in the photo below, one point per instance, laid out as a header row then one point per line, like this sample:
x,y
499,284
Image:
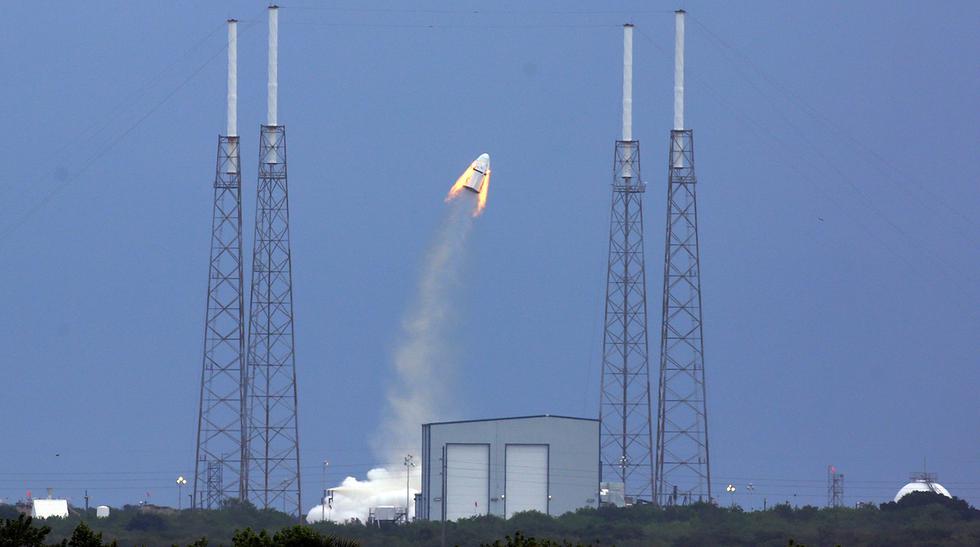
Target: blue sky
x,y
837,157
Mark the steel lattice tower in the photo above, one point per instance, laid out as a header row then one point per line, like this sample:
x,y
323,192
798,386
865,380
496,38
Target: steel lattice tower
x,y
220,451
273,435
624,410
683,473
835,487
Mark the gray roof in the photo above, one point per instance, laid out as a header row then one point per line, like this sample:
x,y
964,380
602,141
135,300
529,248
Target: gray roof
x,y
514,418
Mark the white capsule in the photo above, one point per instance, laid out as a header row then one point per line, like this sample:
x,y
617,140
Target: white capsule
x,y
481,166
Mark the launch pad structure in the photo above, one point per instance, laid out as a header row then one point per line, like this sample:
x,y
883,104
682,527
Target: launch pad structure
x,y
272,425
248,435
675,470
683,471
220,459
625,433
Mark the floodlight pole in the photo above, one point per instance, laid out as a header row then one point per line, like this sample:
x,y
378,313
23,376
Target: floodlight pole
x,y
409,464
443,496
323,500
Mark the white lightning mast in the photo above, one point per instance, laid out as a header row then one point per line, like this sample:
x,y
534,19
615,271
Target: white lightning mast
x,y
628,82
273,65
679,70
232,78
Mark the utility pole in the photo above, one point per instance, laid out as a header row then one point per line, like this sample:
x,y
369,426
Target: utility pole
x,y
443,496
323,500
409,464
181,481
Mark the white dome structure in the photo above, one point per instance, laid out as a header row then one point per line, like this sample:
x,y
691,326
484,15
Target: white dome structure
x,y
925,482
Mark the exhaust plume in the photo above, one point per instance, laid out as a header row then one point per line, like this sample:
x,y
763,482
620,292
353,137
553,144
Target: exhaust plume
x,y
423,361
423,367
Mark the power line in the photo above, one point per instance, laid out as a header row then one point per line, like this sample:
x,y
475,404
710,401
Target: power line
x,y
815,114
112,143
764,132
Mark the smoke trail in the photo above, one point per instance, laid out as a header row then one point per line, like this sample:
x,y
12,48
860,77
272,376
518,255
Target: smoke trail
x,y
423,368
423,364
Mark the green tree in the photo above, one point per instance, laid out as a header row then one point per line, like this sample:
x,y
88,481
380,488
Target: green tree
x,y
294,536
147,522
83,536
248,538
302,536
520,540
20,533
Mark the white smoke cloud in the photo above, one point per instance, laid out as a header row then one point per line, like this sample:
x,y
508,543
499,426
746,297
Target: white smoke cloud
x,y
354,498
423,366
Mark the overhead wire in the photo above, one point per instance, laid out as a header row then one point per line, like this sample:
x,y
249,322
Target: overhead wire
x,y
11,228
766,133
868,200
470,11
815,114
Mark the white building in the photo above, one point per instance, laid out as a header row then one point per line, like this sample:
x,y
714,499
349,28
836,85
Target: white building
x,y
47,508
508,465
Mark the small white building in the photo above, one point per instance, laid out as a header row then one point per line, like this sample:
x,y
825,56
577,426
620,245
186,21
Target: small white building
x,y
47,508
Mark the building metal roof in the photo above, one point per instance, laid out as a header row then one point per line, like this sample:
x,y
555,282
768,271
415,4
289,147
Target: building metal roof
x,y
514,418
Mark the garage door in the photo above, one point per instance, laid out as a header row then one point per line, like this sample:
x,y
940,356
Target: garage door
x,y
527,478
467,480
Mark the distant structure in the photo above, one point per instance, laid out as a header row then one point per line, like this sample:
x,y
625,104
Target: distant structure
x,y
384,516
835,487
505,466
626,437
683,473
273,435
923,482
220,460
49,508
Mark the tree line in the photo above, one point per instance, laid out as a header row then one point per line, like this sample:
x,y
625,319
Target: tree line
x,y
919,519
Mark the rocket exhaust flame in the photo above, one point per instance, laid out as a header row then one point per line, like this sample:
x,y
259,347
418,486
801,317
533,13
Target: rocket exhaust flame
x,y
460,183
481,199
476,178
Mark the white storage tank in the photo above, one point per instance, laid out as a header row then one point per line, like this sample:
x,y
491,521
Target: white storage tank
x,y
102,512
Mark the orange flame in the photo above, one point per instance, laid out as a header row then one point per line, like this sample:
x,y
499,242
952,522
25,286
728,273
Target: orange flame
x,y
462,180
481,199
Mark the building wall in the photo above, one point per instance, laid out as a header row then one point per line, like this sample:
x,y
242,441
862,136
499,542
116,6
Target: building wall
x,y
572,452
